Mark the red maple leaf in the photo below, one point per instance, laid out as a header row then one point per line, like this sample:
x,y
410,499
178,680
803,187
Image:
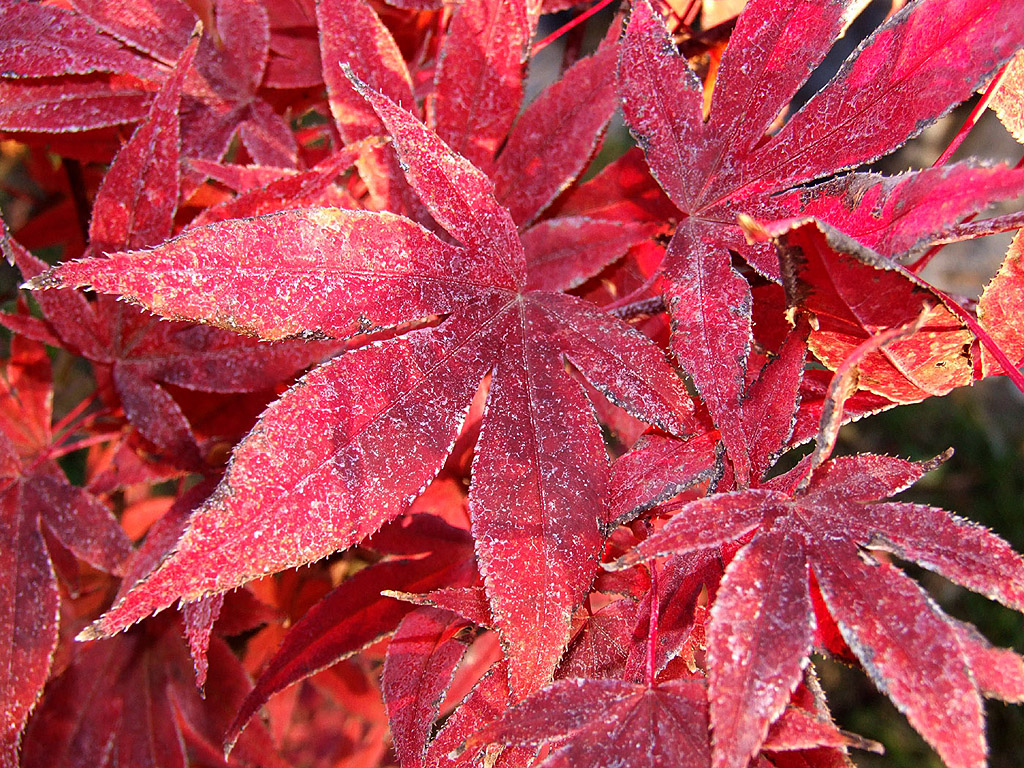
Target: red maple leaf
x,y
296,492
133,352
823,534
97,65
133,697
610,722
718,164
36,499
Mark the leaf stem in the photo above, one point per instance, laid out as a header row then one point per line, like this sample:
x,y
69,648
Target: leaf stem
x,y
652,626
972,119
78,445
67,423
596,8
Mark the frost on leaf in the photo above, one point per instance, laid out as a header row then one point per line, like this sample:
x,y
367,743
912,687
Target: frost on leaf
x,y
760,633
350,445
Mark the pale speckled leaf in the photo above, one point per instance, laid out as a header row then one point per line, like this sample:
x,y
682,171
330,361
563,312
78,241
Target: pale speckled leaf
x,y
47,41
619,361
135,205
328,271
351,33
903,214
611,722
758,643
899,81
421,659
536,496
87,102
1008,100
662,100
703,523
28,619
353,443
563,252
851,293
656,469
457,194
159,27
771,52
478,84
320,471
1000,308
908,646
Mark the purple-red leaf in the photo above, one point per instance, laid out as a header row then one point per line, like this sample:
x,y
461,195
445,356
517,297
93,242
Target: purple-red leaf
x,y
421,660
479,80
611,722
555,136
912,651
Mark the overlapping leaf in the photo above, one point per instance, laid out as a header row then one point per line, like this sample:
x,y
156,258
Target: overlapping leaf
x,y
293,495
760,634
611,722
715,168
134,352
57,83
133,698
37,498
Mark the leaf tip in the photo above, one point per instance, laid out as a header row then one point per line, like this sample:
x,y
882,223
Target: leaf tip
x,y
353,78
942,458
42,282
753,230
91,632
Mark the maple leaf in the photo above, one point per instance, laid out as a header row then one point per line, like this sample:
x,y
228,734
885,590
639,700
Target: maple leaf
x,y
824,273
95,66
133,698
132,351
421,660
610,722
36,498
478,83
760,634
717,167
355,614
293,495
1008,100
998,306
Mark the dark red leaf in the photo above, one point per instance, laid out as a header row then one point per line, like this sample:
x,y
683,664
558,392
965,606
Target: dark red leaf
x,y
563,252
555,136
421,659
710,305
349,618
656,469
608,722
479,81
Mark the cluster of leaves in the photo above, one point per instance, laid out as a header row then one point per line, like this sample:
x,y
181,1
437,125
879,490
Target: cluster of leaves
x,y
522,428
